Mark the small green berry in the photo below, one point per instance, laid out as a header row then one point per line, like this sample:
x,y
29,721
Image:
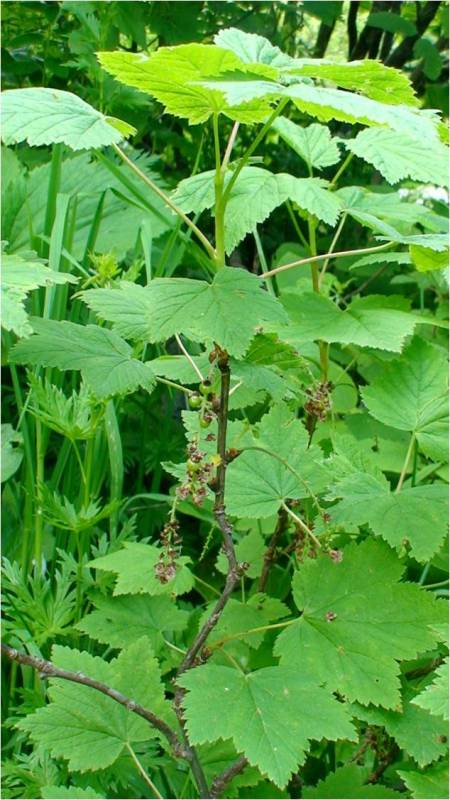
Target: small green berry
x,y
205,388
205,422
194,401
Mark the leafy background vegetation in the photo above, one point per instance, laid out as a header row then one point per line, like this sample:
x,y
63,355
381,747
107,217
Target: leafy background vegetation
x,y
325,671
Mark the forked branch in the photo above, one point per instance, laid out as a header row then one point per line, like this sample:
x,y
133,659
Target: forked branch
x,y
50,670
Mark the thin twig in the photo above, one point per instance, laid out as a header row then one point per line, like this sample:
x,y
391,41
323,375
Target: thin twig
x,y
301,524
331,248
405,464
49,670
189,358
220,782
167,200
229,147
143,773
340,254
366,283
270,552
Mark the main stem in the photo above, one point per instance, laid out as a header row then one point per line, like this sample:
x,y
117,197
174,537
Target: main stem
x,y
323,346
148,181
219,199
251,149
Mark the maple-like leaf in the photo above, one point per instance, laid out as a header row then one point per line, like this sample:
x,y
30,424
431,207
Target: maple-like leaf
x,y
105,360
134,566
271,714
89,729
227,311
357,622
411,395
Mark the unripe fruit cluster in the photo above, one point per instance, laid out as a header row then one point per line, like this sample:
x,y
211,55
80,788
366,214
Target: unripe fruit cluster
x,y
199,474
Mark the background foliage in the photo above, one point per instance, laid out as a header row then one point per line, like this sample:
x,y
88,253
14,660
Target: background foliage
x,y
90,468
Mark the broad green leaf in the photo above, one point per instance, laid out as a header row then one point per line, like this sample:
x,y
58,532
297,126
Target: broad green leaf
x,y
387,212
105,360
392,23
237,618
173,76
227,311
411,395
370,78
421,735
251,48
41,116
259,480
123,208
21,273
375,321
69,792
435,697
251,549
134,566
349,782
398,157
86,728
368,499
271,714
432,241
429,54
254,196
425,259
377,621
381,258
429,783
326,104
11,451
311,195
119,621
313,144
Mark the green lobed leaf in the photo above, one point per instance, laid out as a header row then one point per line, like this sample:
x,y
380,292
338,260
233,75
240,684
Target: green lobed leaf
x,y
435,697
418,733
394,516
258,482
119,621
173,76
432,241
425,259
350,782
134,567
42,116
227,311
256,193
375,321
251,48
105,360
377,622
370,78
326,104
313,144
429,783
272,713
90,730
21,273
411,395
69,792
399,157
11,451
